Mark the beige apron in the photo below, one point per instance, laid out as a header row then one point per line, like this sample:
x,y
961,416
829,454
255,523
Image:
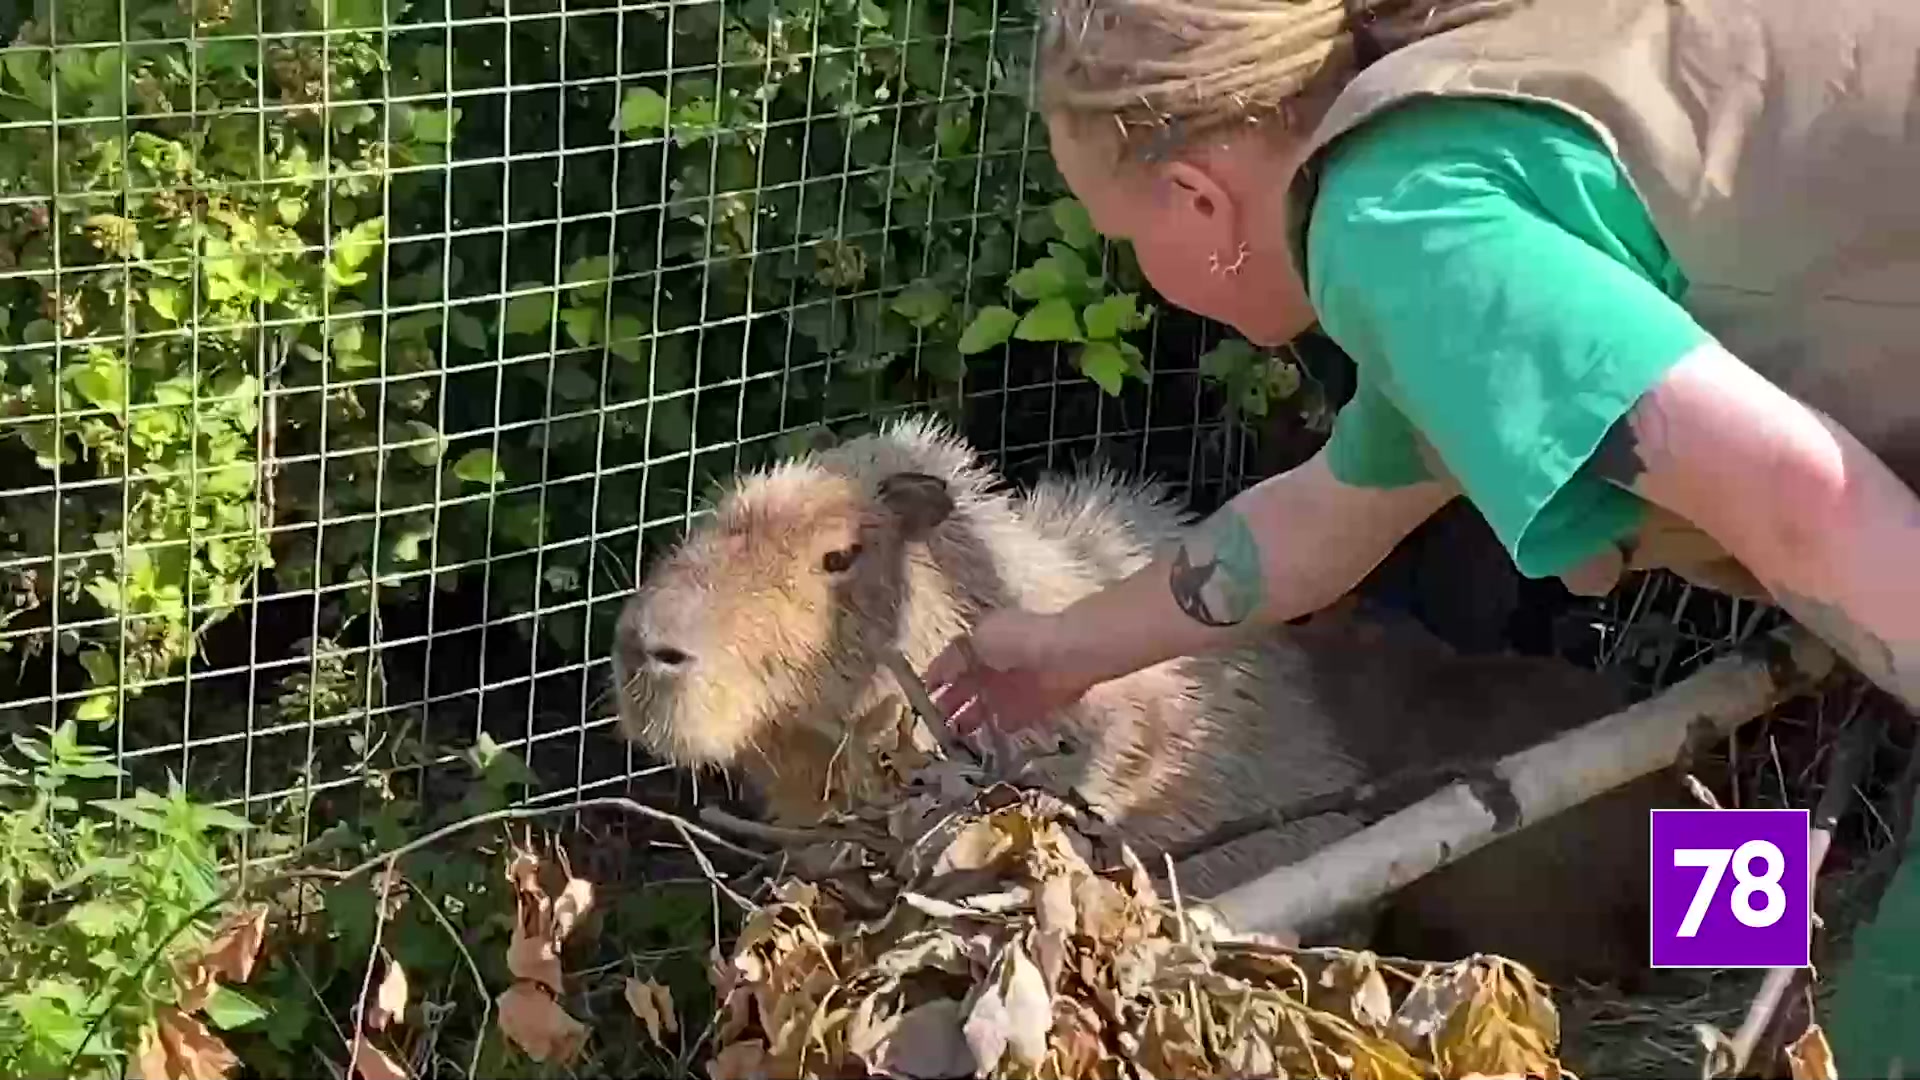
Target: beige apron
x,y
1776,144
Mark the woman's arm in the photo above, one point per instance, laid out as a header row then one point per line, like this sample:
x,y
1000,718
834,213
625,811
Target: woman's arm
x,y
1288,546
1820,520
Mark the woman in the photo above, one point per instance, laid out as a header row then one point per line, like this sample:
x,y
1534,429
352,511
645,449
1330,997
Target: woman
x,y
1639,278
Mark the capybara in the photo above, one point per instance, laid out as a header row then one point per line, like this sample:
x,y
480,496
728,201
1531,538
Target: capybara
x,y
757,645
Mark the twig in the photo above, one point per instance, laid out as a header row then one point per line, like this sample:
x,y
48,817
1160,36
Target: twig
x,y
789,836
1849,761
524,813
922,704
359,1013
473,970
1520,790
1368,802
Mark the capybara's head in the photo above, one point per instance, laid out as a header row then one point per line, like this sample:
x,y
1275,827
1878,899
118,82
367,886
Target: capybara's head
x,y
776,607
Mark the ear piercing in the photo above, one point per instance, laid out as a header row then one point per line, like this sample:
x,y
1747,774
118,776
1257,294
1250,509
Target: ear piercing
x,y
1232,269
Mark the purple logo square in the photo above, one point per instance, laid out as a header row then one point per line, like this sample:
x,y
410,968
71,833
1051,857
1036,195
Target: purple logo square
x,y
1730,889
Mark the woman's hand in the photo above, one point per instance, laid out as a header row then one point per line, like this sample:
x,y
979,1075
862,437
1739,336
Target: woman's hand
x,y
1011,671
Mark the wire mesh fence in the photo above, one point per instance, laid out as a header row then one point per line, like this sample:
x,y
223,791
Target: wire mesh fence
x,y
356,353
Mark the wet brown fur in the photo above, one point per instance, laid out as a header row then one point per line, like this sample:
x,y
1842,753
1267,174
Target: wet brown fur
x,y
784,682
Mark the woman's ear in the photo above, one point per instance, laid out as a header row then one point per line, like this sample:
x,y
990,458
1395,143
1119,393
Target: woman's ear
x,y
1195,186
1199,206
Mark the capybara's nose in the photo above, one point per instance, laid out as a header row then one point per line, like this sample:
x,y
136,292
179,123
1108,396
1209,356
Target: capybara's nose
x,y
667,656
640,640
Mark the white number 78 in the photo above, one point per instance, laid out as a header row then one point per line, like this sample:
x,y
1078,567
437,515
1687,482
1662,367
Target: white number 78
x,y
1715,862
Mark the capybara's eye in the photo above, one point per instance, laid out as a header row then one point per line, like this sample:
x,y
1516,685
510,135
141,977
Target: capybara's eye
x,y
839,562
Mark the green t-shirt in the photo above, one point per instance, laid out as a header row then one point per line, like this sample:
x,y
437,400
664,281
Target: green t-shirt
x,y
1506,298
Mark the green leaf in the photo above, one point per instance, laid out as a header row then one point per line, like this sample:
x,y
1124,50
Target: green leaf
x,y
479,467
943,361
428,453
642,109
1225,359
467,330
1105,364
1075,224
498,766
1112,316
101,380
624,338
406,546
529,313
572,383
1043,280
165,301
351,249
102,918
99,667
228,1008
434,125
991,327
583,324
1050,320
588,276
345,14
921,304
135,811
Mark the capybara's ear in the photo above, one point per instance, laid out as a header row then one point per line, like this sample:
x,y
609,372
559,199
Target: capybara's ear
x,y
922,502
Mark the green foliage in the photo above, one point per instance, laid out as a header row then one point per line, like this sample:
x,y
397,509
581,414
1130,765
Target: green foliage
x,y
168,277
94,889
108,901
238,323
1254,381
1073,302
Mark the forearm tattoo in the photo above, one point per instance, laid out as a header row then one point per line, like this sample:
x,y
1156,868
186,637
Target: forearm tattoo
x,y
1624,450
1217,578
1617,458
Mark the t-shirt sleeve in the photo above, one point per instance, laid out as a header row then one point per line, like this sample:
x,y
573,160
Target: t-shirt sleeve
x,y
1508,341
1372,444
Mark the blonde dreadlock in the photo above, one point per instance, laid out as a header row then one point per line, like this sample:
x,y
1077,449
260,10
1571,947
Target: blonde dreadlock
x,y
1183,67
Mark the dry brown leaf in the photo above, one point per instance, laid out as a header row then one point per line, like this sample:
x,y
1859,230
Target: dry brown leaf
x,y
740,1061
372,1063
1050,950
1425,1011
1012,1015
816,983
1170,1045
988,1029
576,899
1056,912
1810,1058
927,1041
653,1004
390,1000
195,980
236,944
523,873
150,1060
533,1021
531,954
976,847
175,1046
1030,1006
1372,1005
1101,907
1484,1038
